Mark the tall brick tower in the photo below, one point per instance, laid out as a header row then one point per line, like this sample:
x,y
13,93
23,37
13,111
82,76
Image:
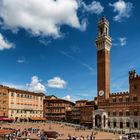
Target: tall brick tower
x,y
103,45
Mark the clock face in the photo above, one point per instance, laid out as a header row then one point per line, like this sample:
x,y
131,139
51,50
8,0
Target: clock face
x,y
101,93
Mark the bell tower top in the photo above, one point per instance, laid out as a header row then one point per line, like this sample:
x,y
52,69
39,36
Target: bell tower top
x,y
103,26
103,40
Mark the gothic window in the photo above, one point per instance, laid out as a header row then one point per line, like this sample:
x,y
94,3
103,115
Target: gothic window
x,y
114,100
135,89
134,99
127,99
135,125
127,113
127,124
114,124
108,113
114,113
120,99
121,124
106,31
101,30
135,113
120,113
109,124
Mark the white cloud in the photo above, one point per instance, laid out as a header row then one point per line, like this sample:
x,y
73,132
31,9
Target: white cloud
x,y
72,98
123,41
40,17
56,82
67,97
84,24
36,85
124,9
4,43
94,8
21,60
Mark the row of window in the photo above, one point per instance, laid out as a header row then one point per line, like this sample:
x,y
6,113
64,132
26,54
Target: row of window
x,y
127,113
55,110
2,94
24,107
3,108
121,124
25,104
25,96
2,101
114,100
58,104
25,111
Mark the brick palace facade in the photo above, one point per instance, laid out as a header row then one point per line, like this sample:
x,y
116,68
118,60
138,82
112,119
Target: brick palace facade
x,y
115,110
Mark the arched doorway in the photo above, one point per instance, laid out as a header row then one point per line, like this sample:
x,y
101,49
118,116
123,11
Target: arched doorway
x,y
100,118
98,121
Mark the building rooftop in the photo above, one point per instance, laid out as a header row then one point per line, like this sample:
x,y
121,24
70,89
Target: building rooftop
x,y
21,90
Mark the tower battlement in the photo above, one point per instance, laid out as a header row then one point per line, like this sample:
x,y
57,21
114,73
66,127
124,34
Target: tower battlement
x,y
133,74
119,93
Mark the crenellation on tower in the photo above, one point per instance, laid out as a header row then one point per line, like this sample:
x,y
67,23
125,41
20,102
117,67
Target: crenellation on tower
x,y
133,74
119,93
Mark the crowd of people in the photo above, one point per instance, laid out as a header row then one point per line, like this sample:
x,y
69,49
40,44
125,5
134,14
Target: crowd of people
x,y
88,137
25,133
41,131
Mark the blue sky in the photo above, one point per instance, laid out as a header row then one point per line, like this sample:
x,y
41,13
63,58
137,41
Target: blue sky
x,y
49,46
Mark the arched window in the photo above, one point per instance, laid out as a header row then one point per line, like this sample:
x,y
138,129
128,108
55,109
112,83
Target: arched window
x,y
101,30
106,31
128,124
121,124
135,124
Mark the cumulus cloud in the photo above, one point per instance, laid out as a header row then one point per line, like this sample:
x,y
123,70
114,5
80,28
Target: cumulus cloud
x,y
4,43
67,97
123,41
36,85
56,82
94,8
123,10
45,17
40,17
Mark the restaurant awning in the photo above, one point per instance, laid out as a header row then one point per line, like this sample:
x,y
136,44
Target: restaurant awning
x,y
37,119
2,132
6,119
